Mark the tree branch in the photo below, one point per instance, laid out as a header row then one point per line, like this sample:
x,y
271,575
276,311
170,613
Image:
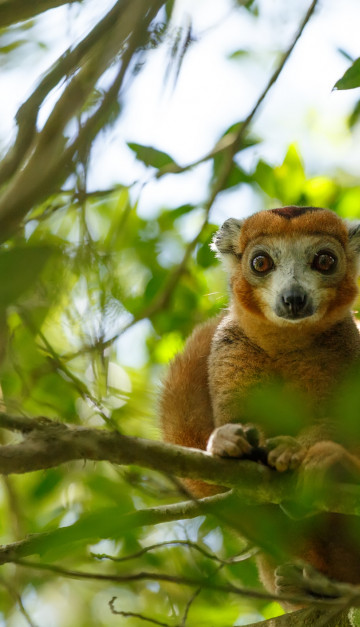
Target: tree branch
x,y
335,603
52,156
48,444
13,11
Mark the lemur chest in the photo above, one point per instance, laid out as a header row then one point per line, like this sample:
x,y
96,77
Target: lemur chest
x,y
313,374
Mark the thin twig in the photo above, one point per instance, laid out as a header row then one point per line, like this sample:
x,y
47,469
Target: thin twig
x,y
188,581
136,615
79,385
188,606
188,543
232,142
17,598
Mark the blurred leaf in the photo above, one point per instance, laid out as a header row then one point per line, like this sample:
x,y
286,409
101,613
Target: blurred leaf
x,y
19,270
248,140
168,346
238,54
205,257
285,182
13,46
272,610
151,156
167,217
251,6
349,203
351,78
320,191
47,483
290,177
355,115
265,177
236,175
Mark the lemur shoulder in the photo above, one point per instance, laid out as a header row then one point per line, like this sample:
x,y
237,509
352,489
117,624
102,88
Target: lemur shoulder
x,y
293,281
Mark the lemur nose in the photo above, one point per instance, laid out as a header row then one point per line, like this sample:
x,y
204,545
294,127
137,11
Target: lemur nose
x,y
294,299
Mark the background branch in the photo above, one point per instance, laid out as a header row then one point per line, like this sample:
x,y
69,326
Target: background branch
x,y
51,160
13,11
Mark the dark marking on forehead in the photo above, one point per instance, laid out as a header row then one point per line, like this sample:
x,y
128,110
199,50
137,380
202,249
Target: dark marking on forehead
x,y
293,212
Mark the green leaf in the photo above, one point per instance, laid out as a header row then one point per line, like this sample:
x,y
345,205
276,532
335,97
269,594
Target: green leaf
x,y
205,257
107,522
355,115
236,175
151,156
265,178
13,46
168,216
351,78
238,54
19,270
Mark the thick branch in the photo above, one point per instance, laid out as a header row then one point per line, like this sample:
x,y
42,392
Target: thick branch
x,y
48,444
13,11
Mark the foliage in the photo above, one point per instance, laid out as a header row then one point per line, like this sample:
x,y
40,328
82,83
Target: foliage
x,y
89,281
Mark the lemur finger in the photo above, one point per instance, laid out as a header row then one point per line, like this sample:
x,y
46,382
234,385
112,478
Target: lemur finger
x,y
231,448
252,435
280,462
228,441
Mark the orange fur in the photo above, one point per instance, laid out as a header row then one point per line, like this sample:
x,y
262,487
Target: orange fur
x,y
310,222
225,358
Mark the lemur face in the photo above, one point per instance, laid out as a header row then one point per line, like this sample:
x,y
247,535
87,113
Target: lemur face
x,y
293,278
292,265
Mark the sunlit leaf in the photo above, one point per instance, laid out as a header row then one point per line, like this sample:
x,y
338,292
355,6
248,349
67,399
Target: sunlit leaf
x,y
355,115
351,78
151,156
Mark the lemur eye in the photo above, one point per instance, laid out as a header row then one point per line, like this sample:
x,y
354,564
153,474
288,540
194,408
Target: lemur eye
x,y
262,263
324,262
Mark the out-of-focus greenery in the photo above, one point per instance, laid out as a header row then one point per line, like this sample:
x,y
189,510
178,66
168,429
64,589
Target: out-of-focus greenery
x,y
78,276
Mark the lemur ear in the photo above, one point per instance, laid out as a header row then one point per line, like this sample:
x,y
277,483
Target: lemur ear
x,y
353,227
226,240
